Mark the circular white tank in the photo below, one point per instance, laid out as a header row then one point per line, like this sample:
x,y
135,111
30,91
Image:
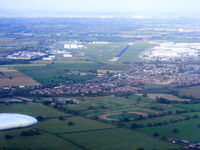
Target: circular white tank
x,y
11,120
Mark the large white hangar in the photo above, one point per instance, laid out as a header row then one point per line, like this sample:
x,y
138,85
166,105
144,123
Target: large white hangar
x,y
11,121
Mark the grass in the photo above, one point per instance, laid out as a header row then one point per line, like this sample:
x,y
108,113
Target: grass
x,y
23,65
134,51
117,139
103,53
94,107
167,96
100,105
115,67
73,62
31,109
55,73
80,124
83,134
188,106
121,116
156,120
44,141
187,130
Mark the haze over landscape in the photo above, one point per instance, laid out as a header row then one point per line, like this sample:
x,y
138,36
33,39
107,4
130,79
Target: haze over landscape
x,y
99,75
89,7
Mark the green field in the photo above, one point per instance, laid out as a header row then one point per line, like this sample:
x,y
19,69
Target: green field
x,y
167,96
187,130
158,119
134,51
189,106
93,107
121,116
44,141
118,139
80,124
55,73
103,53
81,134
114,67
31,109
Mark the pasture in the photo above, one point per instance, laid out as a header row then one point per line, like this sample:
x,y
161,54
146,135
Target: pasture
x,y
73,132
186,130
167,96
105,106
56,73
117,139
134,52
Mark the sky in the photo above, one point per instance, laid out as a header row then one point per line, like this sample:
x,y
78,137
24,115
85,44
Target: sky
x,y
105,6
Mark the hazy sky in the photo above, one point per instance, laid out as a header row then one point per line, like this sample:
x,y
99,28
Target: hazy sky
x,y
102,6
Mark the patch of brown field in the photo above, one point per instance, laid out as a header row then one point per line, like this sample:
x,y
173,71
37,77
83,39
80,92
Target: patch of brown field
x,y
12,74
150,110
105,116
139,113
18,81
111,71
6,39
12,77
8,70
45,62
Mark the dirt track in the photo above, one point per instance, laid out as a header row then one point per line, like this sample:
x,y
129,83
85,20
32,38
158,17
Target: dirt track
x,y
104,116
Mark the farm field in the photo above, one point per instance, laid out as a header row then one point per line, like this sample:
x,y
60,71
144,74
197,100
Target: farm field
x,y
111,108
167,96
81,134
98,106
120,139
103,53
31,109
12,77
145,122
55,73
132,55
188,106
190,91
107,107
121,116
114,67
43,141
186,130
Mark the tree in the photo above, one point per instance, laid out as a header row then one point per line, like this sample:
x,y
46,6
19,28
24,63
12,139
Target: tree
x,y
134,126
175,130
9,137
70,123
61,118
138,100
39,118
144,94
46,102
156,134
